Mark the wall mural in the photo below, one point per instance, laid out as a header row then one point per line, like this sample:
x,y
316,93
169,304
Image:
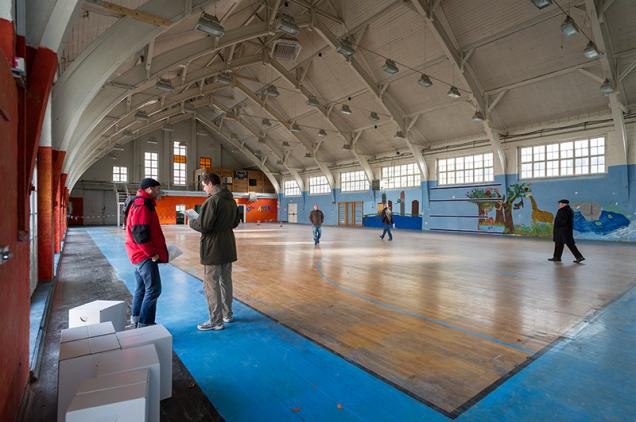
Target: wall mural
x,y
496,214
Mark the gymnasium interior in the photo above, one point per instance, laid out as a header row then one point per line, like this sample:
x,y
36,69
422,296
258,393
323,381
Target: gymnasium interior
x,y
470,123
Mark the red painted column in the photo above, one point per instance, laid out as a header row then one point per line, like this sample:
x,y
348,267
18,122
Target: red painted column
x,y
7,40
58,162
62,208
46,232
40,81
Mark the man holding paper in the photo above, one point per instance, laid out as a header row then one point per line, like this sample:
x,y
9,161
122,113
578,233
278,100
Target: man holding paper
x,y
218,217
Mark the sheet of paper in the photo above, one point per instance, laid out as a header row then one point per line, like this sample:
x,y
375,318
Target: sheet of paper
x,y
192,214
173,252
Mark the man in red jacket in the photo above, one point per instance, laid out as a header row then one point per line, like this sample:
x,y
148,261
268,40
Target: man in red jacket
x,y
146,247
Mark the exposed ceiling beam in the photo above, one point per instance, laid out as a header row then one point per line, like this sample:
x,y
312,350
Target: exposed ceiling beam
x,y
609,72
241,147
539,78
465,72
385,99
136,14
250,128
283,119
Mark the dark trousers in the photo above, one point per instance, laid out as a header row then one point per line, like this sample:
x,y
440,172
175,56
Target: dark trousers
x,y
144,304
558,249
387,230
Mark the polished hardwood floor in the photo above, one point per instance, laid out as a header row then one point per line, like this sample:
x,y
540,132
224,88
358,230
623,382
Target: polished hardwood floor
x,y
441,316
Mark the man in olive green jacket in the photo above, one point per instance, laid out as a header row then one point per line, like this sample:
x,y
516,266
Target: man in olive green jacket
x,y
219,215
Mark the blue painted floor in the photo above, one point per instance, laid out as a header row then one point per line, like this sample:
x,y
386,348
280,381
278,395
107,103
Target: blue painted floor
x,y
256,369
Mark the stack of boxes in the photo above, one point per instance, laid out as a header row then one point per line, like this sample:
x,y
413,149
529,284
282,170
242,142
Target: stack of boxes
x,y
109,374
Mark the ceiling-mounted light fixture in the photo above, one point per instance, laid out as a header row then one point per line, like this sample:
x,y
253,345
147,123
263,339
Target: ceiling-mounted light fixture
x,y
453,92
118,149
271,91
266,122
152,141
425,81
285,143
164,85
141,115
287,24
261,139
308,155
568,27
390,67
295,128
399,134
478,116
590,51
345,48
606,87
542,3
210,25
346,146
225,78
373,116
313,101
346,110
127,132
322,133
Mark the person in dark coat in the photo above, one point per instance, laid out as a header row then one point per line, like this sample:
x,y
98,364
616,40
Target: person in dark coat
x,y
387,222
562,233
316,217
219,216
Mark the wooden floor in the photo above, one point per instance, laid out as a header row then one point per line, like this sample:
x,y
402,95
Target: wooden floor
x,y
441,316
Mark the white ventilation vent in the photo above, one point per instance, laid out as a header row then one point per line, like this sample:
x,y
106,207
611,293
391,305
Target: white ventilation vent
x,y
286,49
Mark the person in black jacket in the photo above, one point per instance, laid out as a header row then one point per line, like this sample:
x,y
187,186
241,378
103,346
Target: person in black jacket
x,y
562,233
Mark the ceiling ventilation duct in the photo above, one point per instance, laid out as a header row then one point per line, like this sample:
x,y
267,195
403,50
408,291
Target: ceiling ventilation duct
x,y
286,49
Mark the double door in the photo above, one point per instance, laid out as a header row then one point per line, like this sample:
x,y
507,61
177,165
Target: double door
x,y
350,214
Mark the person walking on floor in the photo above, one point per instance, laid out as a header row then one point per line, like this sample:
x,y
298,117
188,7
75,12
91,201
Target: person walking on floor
x,y
317,217
387,222
146,248
562,233
218,217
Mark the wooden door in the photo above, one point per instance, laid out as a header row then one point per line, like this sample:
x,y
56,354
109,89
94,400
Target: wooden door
x,y
350,214
77,211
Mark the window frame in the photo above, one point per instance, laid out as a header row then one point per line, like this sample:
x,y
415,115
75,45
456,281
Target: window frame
x,y
468,162
362,180
179,169
119,174
568,153
286,185
415,176
323,188
150,160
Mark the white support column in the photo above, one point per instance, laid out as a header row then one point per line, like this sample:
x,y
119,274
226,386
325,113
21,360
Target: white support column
x,y
609,72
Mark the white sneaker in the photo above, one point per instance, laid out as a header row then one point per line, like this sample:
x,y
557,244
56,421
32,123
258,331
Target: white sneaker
x,y
207,326
228,319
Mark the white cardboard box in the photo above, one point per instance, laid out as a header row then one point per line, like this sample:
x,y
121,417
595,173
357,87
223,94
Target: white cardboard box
x,y
98,311
87,346
86,331
121,397
162,339
135,358
71,373
77,362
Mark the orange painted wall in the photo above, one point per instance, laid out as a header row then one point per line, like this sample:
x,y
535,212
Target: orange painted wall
x,y
264,209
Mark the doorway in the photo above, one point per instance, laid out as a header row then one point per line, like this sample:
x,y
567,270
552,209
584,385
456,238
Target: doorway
x,y
242,212
292,213
180,214
350,214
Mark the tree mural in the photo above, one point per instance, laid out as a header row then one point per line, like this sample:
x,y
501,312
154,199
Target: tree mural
x,y
488,199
